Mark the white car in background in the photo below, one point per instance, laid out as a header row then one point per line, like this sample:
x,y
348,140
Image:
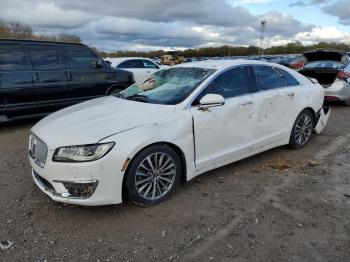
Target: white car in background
x,y
175,124
331,68
139,66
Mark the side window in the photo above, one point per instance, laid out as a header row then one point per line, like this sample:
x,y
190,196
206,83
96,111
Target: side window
x,y
80,57
45,57
13,58
149,64
290,79
267,78
231,83
133,63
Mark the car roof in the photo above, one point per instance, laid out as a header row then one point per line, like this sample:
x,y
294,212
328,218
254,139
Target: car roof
x,y
223,64
126,58
8,40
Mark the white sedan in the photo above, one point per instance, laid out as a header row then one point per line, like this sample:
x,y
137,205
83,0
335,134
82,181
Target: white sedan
x,y
175,124
139,66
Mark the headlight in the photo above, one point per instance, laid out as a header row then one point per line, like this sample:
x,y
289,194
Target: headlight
x,y
82,153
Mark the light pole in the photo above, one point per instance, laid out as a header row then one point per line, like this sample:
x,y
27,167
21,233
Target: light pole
x,y
262,36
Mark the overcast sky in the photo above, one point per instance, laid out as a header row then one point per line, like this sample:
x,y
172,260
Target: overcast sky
x,y
170,24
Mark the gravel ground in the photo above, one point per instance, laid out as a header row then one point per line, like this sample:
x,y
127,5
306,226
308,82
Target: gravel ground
x,y
281,205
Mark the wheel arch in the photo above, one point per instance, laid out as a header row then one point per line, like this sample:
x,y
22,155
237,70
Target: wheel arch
x,y
314,114
176,148
114,86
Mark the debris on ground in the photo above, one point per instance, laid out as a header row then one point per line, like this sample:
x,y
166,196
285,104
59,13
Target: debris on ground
x,y
313,163
279,165
4,245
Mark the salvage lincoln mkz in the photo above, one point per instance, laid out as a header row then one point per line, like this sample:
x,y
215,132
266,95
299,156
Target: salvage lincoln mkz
x,y
175,124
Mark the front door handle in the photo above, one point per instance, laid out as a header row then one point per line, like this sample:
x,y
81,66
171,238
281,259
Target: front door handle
x,y
247,103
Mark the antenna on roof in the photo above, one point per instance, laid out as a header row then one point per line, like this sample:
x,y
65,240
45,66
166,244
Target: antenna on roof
x,y
262,36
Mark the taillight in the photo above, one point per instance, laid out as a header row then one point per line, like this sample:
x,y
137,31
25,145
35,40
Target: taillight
x,y
343,75
297,64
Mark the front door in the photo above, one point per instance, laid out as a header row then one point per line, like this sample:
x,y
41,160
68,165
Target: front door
x,y
225,133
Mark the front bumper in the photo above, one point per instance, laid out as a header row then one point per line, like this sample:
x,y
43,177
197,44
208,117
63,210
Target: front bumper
x,y
90,183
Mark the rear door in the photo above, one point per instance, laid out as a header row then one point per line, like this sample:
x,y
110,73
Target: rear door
x,y
275,108
50,77
87,80
18,91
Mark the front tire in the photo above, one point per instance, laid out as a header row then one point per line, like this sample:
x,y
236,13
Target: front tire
x,y
113,91
302,130
153,175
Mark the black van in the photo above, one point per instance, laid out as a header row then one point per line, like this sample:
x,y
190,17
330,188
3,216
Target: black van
x,y
39,77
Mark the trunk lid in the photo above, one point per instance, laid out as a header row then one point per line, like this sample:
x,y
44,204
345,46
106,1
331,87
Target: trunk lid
x,y
324,55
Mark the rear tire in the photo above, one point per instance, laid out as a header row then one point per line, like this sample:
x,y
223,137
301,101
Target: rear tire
x,y
302,130
153,175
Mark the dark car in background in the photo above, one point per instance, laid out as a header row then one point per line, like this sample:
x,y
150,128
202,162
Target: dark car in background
x,y
39,77
331,68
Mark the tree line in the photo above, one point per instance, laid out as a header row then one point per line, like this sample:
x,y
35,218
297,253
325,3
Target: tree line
x,y
16,30
226,50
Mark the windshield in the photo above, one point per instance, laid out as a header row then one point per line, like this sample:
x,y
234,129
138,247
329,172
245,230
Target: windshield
x,y
324,64
168,86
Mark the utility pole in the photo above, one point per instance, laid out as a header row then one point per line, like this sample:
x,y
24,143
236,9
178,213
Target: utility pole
x,y
262,36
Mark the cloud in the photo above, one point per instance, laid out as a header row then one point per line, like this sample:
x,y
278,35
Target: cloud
x,y
327,34
310,3
340,9
153,24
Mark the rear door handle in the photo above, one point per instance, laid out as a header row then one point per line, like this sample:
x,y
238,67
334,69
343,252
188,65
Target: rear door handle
x,y
68,76
291,95
36,77
247,103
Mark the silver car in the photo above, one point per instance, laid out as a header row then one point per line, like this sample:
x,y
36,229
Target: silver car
x,y
331,68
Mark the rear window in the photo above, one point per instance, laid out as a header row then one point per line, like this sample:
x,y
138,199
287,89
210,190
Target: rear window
x,y
13,58
268,78
323,64
133,63
46,57
149,64
290,79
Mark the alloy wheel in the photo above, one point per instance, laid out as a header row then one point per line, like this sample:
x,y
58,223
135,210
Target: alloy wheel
x,y
155,176
303,129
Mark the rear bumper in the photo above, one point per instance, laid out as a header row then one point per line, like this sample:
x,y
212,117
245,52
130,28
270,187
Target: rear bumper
x,y
322,116
338,91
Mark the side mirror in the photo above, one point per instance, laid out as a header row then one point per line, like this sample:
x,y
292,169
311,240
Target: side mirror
x,y
211,100
99,62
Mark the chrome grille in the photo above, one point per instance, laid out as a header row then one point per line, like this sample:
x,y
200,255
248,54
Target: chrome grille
x,y
38,150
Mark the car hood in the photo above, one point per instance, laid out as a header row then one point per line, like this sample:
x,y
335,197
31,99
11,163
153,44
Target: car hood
x,y
323,55
91,121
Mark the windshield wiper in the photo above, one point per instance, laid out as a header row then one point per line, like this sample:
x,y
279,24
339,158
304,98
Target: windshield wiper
x,y
119,95
137,97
